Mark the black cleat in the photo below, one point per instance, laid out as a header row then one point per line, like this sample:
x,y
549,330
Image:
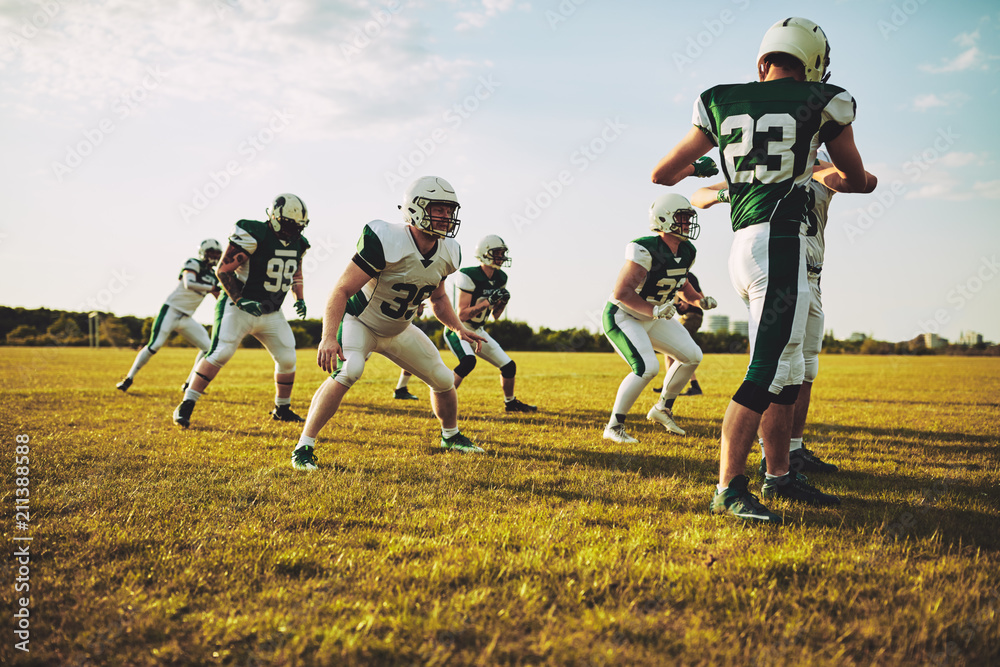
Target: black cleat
x,y
517,406
794,486
283,413
803,460
404,394
182,413
125,384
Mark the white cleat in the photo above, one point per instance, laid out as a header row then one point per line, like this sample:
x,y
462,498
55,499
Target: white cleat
x,y
665,417
618,434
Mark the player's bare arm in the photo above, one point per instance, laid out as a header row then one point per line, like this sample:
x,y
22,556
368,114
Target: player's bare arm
x,y
629,279
297,284
466,309
848,164
708,196
350,282
829,175
689,294
677,164
232,259
446,315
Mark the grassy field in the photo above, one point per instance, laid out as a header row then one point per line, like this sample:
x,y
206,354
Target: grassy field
x,y
157,545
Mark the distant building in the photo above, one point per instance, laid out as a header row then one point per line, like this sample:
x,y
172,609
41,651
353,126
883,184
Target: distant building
x,y
970,338
718,323
740,328
857,337
932,341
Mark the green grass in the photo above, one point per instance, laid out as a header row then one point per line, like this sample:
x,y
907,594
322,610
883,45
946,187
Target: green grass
x,y
157,545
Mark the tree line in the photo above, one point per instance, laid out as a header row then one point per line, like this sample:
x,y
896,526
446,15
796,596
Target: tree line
x,y
44,327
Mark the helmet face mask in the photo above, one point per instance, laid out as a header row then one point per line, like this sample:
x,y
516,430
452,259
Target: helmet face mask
x,y
288,217
424,193
803,40
673,214
210,251
492,251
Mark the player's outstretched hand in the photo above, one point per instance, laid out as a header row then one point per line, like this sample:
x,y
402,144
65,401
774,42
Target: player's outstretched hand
x,y
250,306
705,167
664,311
328,354
300,308
471,337
708,303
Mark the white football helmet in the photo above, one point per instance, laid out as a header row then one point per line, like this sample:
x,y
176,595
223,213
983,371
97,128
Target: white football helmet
x,y
288,217
802,39
423,192
492,251
673,214
210,246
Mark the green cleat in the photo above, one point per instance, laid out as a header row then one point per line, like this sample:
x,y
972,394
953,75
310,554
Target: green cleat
x,y
737,501
460,443
517,406
304,458
803,460
794,486
403,394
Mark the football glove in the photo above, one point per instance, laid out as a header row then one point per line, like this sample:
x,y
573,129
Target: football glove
x,y
708,303
503,296
705,167
255,308
494,296
664,311
723,196
300,308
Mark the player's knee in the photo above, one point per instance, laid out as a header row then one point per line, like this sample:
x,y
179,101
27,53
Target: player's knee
x,y
508,370
350,370
465,366
812,368
753,397
442,379
221,356
284,363
652,369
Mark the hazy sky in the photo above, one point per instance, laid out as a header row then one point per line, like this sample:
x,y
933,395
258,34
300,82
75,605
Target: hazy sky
x,y
133,130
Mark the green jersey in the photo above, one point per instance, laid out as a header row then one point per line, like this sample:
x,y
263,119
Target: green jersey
x,y
666,271
474,281
768,134
267,275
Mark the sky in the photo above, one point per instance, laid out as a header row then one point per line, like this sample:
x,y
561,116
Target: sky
x,y
134,130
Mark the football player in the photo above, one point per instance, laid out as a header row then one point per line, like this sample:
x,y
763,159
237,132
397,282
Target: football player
x,y
482,290
262,262
768,133
800,457
195,281
638,317
373,304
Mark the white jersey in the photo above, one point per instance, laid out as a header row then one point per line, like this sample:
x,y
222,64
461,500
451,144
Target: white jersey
x,y
186,300
401,277
818,209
